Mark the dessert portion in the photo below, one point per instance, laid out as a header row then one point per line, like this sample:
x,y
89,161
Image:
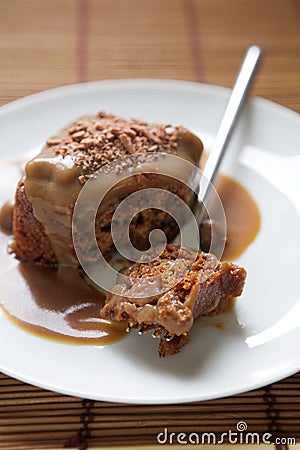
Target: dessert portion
x,y
43,212
203,284
45,197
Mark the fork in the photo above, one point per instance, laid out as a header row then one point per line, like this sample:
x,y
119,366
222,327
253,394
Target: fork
x,y
230,118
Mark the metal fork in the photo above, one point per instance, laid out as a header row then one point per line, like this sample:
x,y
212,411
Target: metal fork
x,y
237,98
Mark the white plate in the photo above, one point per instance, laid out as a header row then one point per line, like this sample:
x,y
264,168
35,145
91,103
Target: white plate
x,y
261,342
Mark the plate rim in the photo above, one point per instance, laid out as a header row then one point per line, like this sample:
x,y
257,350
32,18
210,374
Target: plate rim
x,y
141,83
136,401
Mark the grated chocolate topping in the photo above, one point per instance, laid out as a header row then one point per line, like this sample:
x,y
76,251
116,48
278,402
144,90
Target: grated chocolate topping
x,y
98,140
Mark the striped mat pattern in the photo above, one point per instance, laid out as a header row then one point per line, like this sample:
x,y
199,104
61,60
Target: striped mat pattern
x,y
35,418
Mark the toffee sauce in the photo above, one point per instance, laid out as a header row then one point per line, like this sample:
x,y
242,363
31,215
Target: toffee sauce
x,y
56,304
59,304
242,217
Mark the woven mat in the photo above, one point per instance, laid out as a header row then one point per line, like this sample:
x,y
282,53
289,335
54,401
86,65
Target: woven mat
x,y
47,43
32,416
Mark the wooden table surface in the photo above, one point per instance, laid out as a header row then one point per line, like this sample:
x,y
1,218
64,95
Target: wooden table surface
x,y
48,43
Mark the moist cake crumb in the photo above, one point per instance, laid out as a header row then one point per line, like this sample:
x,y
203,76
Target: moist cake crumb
x,y
196,291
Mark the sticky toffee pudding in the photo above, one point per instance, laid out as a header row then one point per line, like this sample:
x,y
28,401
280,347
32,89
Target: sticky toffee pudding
x,y
42,286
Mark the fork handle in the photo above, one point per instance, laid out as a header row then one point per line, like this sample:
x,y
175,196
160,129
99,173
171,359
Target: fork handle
x,y
239,92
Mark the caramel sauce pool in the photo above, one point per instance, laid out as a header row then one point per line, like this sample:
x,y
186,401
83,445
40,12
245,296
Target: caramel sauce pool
x,y
56,304
59,304
242,216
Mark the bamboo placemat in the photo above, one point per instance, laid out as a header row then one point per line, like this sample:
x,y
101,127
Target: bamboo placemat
x,y
47,43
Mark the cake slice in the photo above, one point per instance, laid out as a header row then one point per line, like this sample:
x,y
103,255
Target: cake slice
x,y
46,195
43,212
199,283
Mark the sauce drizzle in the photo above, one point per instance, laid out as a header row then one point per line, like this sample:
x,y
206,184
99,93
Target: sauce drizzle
x,y
59,304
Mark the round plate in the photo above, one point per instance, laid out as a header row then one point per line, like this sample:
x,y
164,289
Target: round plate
x,y
259,344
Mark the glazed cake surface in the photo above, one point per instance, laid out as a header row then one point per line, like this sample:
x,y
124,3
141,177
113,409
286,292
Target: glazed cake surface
x,y
46,195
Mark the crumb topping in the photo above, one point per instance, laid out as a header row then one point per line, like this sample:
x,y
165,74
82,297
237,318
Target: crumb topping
x,y
180,267
97,140
197,293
